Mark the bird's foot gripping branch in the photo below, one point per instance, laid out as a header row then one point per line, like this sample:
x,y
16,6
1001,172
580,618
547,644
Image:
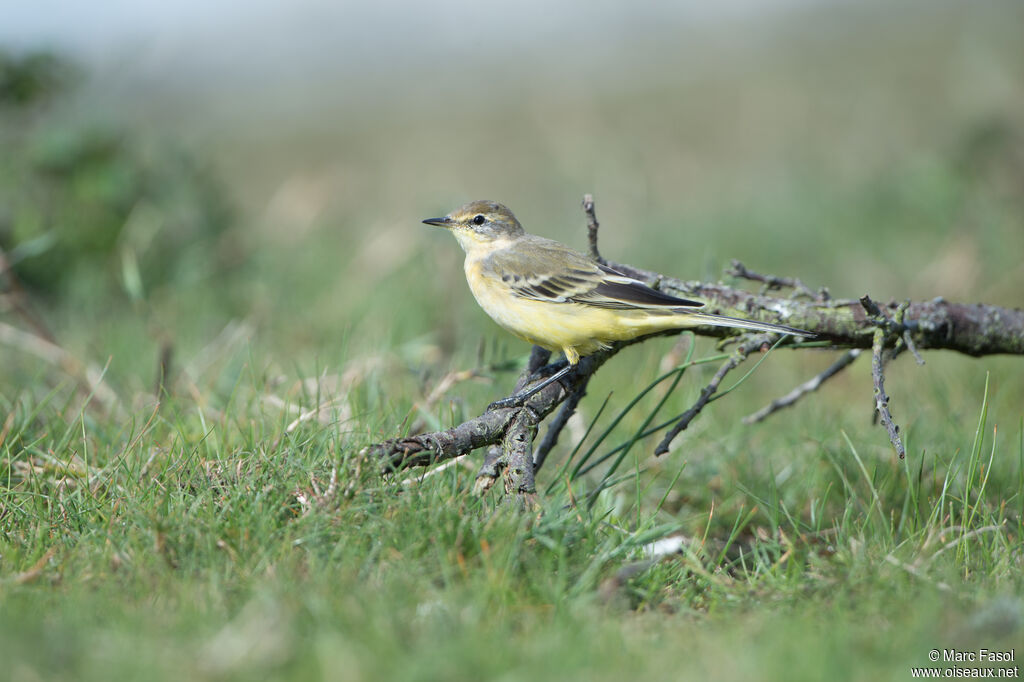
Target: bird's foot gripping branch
x,y
847,325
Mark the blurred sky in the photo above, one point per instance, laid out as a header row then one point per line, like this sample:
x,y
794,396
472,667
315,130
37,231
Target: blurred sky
x,y
773,130
194,44
324,113
275,53
100,32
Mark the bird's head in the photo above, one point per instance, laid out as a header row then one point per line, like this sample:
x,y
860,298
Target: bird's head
x,y
480,223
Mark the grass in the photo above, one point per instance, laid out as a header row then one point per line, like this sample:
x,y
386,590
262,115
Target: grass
x,y
199,536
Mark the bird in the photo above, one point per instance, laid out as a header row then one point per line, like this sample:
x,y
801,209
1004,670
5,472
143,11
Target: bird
x,y
555,297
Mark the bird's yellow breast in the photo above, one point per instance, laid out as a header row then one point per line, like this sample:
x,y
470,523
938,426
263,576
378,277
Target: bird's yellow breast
x,y
570,327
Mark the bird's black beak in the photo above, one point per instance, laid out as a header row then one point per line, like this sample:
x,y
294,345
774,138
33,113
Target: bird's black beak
x,y
440,222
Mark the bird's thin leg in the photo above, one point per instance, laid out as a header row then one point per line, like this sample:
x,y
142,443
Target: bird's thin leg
x,y
522,396
549,369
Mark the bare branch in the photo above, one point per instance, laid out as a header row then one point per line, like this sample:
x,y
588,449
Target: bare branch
x,y
518,449
428,448
487,429
884,325
872,309
971,329
906,337
738,356
494,463
803,389
881,399
592,226
908,341
738,269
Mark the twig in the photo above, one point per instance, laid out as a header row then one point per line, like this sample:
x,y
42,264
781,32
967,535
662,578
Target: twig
x,y
883,326
738,269
908,339
872,309
428,448
513,458
592,227
845,360
493,465
881,399
738,356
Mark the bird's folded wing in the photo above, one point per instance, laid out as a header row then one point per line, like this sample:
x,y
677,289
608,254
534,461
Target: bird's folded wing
x,y
544,270
616,290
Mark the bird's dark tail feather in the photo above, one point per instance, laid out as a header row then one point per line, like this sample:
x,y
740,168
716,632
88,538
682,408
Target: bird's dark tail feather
x,y
725,321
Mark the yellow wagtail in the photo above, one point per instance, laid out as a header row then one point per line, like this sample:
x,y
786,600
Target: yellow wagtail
x,y
559,299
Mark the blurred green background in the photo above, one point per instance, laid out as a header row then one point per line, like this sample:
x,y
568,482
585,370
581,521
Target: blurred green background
x,y
240,192
280,177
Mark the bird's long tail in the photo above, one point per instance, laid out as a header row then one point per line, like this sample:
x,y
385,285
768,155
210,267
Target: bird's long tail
x,y
725,321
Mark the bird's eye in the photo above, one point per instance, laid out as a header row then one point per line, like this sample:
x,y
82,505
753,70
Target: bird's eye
x,y
479,220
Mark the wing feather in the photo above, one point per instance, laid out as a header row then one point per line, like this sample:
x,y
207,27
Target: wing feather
x,y
544,270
